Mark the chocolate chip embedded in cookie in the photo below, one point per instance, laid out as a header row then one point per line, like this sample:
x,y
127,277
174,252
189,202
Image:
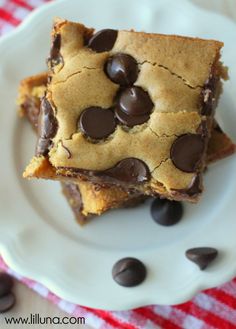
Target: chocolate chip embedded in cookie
x,y
131,170
97,123
47,127
122,69
130,120
208,95
186,152
103,40
135,101
193,189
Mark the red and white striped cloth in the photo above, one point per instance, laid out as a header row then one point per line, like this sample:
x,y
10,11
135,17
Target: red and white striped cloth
x,y
214,308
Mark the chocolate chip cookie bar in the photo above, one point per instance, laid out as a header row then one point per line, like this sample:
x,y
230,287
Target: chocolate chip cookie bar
x,y
128,109
85,199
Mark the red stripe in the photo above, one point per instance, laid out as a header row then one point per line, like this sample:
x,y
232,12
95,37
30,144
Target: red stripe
x,y
23,4
156,318
223,297
8,17
107,316
204,315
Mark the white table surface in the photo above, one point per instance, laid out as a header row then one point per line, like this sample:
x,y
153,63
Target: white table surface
x,y
28,301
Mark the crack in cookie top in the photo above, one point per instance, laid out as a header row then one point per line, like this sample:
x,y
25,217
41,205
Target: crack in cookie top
x,y
131,95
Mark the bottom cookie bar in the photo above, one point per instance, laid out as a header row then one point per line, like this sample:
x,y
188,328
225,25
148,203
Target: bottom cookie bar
x,y
87,199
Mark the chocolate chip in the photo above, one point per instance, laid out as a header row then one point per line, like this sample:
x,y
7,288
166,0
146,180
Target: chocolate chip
x,y
208,95
43,146
203,129
166,212
7,302
55,56
103,40
202,256
129,272
135,101
130,170
6,284
186,152
47,123
130,120
97,123
122,69
47,127
195,187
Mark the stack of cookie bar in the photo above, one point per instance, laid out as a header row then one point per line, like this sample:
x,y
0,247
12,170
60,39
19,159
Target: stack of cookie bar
x,y
123,115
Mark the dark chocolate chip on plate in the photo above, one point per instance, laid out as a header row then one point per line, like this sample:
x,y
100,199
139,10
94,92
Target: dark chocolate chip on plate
x,y
130,120
135,101
7,302
97,122
166,212
129,170
129,272
202,256
103,40
122,69
6,284
186,152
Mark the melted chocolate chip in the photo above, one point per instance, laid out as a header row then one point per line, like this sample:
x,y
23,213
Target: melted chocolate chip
x,y
186,152
73,195
6,284
97,123
43,146
135,101
103,40
208,95
55,56
195,187
122,69
129,272
130,120
7,302
47,124
166,212
130,170
47,127
202,256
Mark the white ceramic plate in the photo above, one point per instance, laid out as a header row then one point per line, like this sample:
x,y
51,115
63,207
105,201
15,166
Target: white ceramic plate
x,y
38,235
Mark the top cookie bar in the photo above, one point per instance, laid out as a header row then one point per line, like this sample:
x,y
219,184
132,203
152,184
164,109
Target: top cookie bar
x,y
128,108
